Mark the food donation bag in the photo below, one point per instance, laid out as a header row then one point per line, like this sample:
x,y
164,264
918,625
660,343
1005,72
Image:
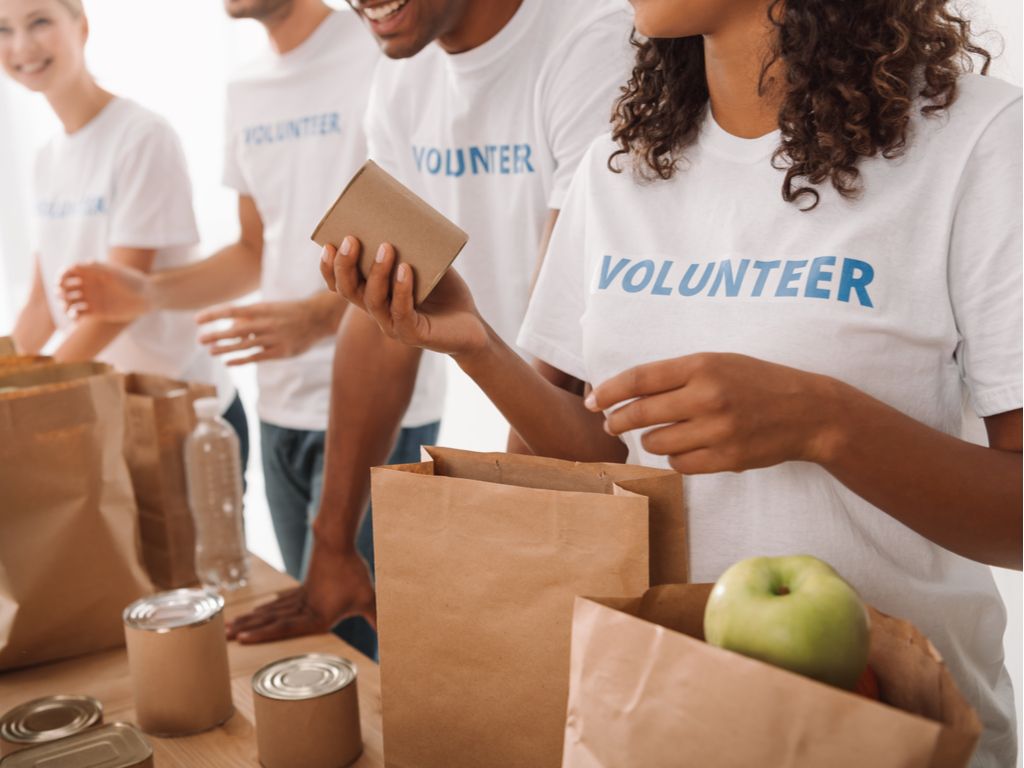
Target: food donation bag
x,y
478,559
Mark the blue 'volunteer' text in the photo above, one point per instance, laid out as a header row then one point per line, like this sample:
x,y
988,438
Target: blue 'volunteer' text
x,y
503,159
295,129
823,277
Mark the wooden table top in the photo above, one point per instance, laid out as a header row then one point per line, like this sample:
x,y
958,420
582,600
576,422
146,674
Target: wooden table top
x,y
105,676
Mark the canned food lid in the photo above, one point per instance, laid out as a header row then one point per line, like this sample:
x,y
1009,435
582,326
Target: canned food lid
x,y
49,718
118,745
304,677
170,610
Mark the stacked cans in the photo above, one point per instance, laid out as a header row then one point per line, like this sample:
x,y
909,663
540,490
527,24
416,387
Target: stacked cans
x,y
47,719
313,695
178,657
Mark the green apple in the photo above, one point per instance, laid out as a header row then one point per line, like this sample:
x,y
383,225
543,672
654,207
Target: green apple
x,y
794,612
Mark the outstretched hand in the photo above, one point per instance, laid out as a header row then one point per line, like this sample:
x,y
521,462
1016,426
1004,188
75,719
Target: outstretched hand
x,y
446,321
337,586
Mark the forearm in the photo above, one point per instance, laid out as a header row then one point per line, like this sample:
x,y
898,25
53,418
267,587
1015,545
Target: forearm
x,y
371,386
964,497
326,310
230,273
33,328
87,339
551,421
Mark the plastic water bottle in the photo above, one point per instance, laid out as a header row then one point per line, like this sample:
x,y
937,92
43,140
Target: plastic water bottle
x,y
213,467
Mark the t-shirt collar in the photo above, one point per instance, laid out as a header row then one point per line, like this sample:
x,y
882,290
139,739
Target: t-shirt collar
x,y
491,51
718,141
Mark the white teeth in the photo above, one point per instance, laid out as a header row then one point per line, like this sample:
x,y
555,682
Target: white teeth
x,y
380,12
31,69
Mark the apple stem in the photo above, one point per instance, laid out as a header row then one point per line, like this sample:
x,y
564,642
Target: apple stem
x,y
782,590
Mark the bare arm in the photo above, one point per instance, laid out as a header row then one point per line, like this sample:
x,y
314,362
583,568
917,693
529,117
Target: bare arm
x,y
963,496
516,444
730,413
113,292
35,325
371,386
230,273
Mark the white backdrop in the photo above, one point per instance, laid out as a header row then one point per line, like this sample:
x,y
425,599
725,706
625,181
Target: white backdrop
x,y
175,59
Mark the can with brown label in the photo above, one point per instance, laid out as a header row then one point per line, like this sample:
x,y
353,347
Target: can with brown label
x,y
178,657
312,695
47,719
118,745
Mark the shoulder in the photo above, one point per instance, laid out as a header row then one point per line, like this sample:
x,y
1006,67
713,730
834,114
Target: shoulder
x,y
589,30
570,20
141,129
980,100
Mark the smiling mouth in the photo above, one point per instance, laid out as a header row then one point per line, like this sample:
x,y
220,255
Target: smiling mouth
x,y
385,11
34,68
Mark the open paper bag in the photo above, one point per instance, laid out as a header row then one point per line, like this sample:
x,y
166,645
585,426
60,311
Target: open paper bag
x,y
68,534
159,418
479,557
645,690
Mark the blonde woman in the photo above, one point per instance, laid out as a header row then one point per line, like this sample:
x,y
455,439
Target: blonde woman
x,y
113,186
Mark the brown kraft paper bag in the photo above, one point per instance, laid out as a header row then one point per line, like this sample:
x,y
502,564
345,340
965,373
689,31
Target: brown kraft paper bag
x,y
479,557
68,535
159,418
645,690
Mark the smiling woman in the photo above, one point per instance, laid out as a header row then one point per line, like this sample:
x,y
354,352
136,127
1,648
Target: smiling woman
x,y
93,200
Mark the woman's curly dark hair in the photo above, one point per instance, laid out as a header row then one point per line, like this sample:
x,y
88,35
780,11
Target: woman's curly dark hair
x,y
850,71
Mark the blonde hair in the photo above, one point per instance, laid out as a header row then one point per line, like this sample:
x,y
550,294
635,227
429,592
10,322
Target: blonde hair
x,y
74,6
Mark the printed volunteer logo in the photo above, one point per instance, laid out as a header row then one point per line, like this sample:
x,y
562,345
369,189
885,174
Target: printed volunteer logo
x,y
501,159
296,129
824,277
93,205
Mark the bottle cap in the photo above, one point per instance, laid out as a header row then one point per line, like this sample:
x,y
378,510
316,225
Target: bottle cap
x,y
207,407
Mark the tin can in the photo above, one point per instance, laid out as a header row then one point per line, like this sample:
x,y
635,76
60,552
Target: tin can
x,y
47,719
312,695
178,657
118,745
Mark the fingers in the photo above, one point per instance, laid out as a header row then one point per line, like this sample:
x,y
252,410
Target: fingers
x,y
378,287
252,341
281,628
240,330
347,279
404,318
229,312
268,353
327,256
667,407
648,379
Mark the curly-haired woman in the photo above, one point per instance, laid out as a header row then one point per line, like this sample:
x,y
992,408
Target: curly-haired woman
x,y
797,253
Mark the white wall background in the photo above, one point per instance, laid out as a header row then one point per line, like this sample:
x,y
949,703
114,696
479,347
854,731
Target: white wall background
x,y
175,59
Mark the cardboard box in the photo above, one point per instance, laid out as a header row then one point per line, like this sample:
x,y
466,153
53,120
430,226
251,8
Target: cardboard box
x,y
7,347
376,208
646,690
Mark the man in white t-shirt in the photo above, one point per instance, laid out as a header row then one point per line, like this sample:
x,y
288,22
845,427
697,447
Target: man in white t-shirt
x,y
294,137
487,125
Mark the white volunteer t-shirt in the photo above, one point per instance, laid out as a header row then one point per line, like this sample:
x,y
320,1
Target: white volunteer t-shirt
x,y
294,137
911,293
122,180
491,137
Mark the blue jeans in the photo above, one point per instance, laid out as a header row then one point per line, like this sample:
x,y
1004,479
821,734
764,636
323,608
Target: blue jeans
x,y
235,416
293,468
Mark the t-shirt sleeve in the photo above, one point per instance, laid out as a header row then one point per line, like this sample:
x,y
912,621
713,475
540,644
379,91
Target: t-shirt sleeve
x,y
580,90
231,175
151,202
551,330
985,267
